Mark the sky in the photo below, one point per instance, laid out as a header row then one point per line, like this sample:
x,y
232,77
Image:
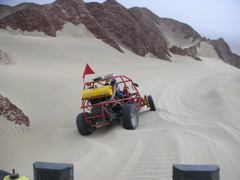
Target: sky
x,y
210,18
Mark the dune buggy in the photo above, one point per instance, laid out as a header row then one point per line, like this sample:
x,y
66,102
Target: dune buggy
x,y
107,98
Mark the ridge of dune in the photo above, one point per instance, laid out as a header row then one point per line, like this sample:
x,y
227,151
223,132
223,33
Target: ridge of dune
x,y
196,122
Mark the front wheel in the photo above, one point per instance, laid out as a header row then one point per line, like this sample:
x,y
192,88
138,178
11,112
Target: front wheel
x,y
83,127
151,103
130,117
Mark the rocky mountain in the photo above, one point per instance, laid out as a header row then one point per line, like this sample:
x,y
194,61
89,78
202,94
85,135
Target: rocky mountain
x,y
109,21
182,39
225,52
137,29
176,34
128,30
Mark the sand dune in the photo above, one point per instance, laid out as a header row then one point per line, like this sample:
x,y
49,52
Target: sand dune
x,y
196,122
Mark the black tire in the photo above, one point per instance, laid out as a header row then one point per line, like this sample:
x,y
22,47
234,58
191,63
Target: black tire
x,y
151,103
83,127
130,117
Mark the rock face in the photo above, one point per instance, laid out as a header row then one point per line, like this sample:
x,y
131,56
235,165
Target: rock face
x,y
12,113
137,29
191,51
224,52
174,32
51,18
128,30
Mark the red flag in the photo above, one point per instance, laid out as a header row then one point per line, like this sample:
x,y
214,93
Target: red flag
x,y
88,70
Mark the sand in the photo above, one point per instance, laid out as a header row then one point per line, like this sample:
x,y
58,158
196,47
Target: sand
x,y
196,122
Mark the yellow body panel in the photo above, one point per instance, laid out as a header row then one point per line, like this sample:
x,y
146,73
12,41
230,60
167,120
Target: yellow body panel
x,y
20,178
100,91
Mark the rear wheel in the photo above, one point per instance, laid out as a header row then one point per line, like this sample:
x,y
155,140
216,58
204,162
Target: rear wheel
x,y
130,116
151,103
83,127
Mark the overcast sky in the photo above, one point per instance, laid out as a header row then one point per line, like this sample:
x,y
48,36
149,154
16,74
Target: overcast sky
x,y
210,18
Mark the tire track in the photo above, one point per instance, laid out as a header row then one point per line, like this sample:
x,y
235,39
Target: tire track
x,y
161,151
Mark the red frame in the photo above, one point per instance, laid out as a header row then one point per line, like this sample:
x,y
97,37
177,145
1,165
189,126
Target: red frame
x,y
121,79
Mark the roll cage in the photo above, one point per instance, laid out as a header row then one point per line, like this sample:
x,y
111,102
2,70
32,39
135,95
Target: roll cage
x,y
102,109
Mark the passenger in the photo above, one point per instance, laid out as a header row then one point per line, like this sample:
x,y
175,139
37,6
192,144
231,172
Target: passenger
x,y
119,93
